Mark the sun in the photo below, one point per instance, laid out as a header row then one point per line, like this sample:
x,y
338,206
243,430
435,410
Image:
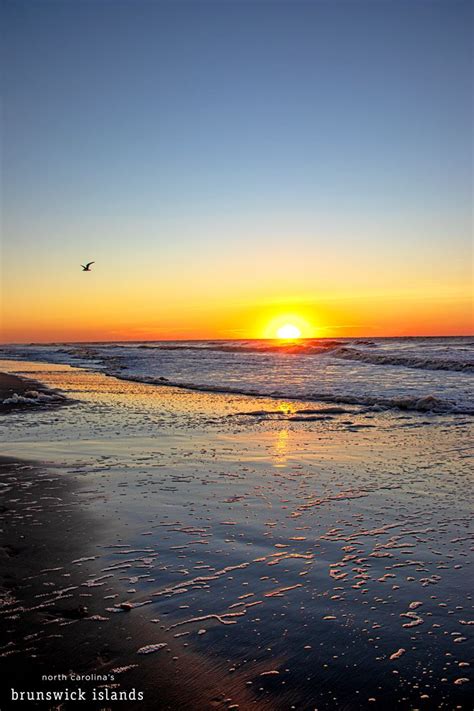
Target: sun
x,y
289,332
288,326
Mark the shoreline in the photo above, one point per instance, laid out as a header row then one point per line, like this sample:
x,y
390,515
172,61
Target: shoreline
x,y
267,562
419,404
375,375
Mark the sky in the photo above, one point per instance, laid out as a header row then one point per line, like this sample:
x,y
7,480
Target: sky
x,y
229,163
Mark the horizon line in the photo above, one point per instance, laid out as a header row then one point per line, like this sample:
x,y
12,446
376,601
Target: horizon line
x,y
210,340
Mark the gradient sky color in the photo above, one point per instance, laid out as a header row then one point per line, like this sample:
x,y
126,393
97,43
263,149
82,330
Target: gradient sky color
x,y
226,163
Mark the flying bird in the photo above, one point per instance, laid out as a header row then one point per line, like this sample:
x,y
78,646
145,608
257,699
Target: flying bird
x,y
87,268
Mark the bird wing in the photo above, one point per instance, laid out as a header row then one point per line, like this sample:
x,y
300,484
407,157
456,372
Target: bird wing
x,y
89,263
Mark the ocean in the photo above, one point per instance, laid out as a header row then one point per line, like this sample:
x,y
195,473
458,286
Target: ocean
x,y
415,374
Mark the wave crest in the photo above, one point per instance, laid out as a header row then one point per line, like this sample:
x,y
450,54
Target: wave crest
x,y
407,361
415,403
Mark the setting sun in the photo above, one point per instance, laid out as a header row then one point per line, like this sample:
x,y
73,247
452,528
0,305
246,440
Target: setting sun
x,y
287,326
289,332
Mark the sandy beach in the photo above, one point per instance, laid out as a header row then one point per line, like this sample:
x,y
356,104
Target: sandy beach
x,y
218,551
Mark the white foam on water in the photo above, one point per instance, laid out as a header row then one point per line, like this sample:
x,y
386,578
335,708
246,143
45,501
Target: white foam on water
x,y
415,374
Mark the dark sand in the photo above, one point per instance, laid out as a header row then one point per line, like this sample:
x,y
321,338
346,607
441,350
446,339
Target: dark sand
x,y
273,563
52,607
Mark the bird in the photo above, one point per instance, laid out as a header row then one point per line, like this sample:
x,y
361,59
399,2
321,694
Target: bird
x,y
86,268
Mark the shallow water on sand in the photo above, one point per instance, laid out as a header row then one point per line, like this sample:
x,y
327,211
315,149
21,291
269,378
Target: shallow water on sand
x,y
301,557
416,374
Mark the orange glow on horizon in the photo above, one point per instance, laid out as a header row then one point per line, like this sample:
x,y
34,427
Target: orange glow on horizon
x,y
104,310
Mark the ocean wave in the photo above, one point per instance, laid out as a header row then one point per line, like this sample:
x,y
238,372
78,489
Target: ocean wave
x,y
407,361
415,403
341,372
308,347
371,352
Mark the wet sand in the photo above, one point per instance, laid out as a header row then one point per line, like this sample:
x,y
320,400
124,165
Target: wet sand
x,y
229,552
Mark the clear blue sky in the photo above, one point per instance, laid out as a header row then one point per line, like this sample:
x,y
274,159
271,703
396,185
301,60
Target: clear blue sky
x,y
175,127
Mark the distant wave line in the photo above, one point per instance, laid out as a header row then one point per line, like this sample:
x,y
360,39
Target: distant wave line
x,y
333,348
410,361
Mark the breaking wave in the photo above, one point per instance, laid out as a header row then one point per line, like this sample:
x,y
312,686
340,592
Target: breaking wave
x,y
406,361
415,374
371,352
305,347
416,403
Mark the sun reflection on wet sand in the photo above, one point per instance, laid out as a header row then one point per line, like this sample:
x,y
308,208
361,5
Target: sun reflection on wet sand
x,y
281,447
